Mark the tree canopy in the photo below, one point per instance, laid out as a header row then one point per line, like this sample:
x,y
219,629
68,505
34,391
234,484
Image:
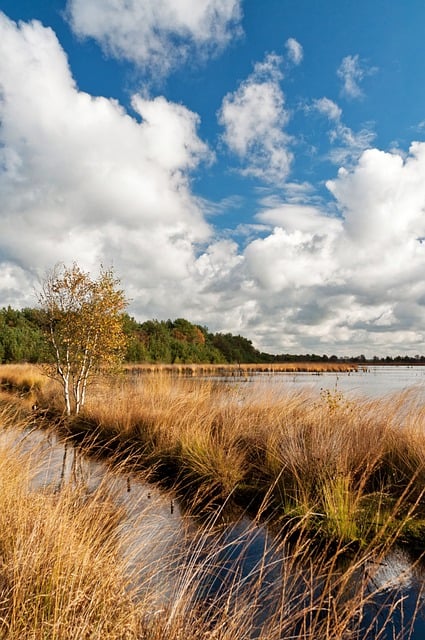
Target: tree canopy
x,y
23,339
84,322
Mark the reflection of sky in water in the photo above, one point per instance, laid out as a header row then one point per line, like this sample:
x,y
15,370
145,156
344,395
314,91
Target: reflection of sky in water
x,y
372,382
395,576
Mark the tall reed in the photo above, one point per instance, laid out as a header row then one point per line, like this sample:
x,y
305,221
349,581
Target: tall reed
x,y
80,565
344,463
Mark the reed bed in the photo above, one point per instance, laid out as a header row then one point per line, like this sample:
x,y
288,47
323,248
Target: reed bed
x,y
72,568
237,370
343,465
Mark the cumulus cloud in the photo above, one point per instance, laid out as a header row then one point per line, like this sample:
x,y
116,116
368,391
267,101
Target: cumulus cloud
x,y
81,179
352,281
315,282
352,72
254,117
284,259
296,217
383,203
156,35
295,51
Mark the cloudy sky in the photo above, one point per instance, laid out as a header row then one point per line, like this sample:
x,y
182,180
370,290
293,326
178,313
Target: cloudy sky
x,y
256,166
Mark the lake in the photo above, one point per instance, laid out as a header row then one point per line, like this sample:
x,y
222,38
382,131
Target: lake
x,y
371,381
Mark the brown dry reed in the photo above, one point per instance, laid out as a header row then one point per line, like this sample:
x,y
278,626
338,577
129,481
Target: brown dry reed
x,y
344,464
71,567
242,369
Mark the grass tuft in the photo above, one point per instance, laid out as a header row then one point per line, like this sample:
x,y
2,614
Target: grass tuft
x,y
86,564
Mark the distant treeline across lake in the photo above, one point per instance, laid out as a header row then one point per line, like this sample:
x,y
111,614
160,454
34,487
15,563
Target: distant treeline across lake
x,y
22,339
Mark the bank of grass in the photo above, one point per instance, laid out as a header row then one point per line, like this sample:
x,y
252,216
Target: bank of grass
x,y
71,569
25,379
343,466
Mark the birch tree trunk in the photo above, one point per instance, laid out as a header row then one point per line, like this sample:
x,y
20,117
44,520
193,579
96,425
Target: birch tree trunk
x,y
85,327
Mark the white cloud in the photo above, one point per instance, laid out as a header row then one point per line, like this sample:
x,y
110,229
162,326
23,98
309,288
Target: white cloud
x,y
80,179
347,144
285,260
219,260
296,217
254,117
298,193
15,283
383,203
351,284
156,35
329,108
352,72
295,51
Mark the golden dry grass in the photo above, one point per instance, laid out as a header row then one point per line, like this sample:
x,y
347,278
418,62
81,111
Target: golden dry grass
x,y
347,462
66,571
25,379
61,573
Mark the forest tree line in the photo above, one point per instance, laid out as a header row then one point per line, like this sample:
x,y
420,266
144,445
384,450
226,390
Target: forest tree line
x,y
23,339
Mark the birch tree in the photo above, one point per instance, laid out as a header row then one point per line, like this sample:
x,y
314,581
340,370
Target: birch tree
x,y
84,319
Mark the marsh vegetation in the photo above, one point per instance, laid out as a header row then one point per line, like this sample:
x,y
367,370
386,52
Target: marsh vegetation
x,y
350,469
336,483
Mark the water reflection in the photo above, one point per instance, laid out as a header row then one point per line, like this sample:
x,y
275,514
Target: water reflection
x,y
221,565
373,381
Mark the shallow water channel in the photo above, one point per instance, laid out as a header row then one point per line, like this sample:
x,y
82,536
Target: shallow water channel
x,y
239,557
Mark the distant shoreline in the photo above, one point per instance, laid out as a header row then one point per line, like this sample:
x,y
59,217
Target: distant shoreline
x,y
247,369
241,369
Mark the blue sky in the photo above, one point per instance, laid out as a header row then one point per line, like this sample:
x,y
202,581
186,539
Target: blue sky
x,y
254,166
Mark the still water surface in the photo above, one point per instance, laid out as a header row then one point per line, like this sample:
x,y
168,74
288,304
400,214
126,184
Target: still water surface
x,y
369,381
